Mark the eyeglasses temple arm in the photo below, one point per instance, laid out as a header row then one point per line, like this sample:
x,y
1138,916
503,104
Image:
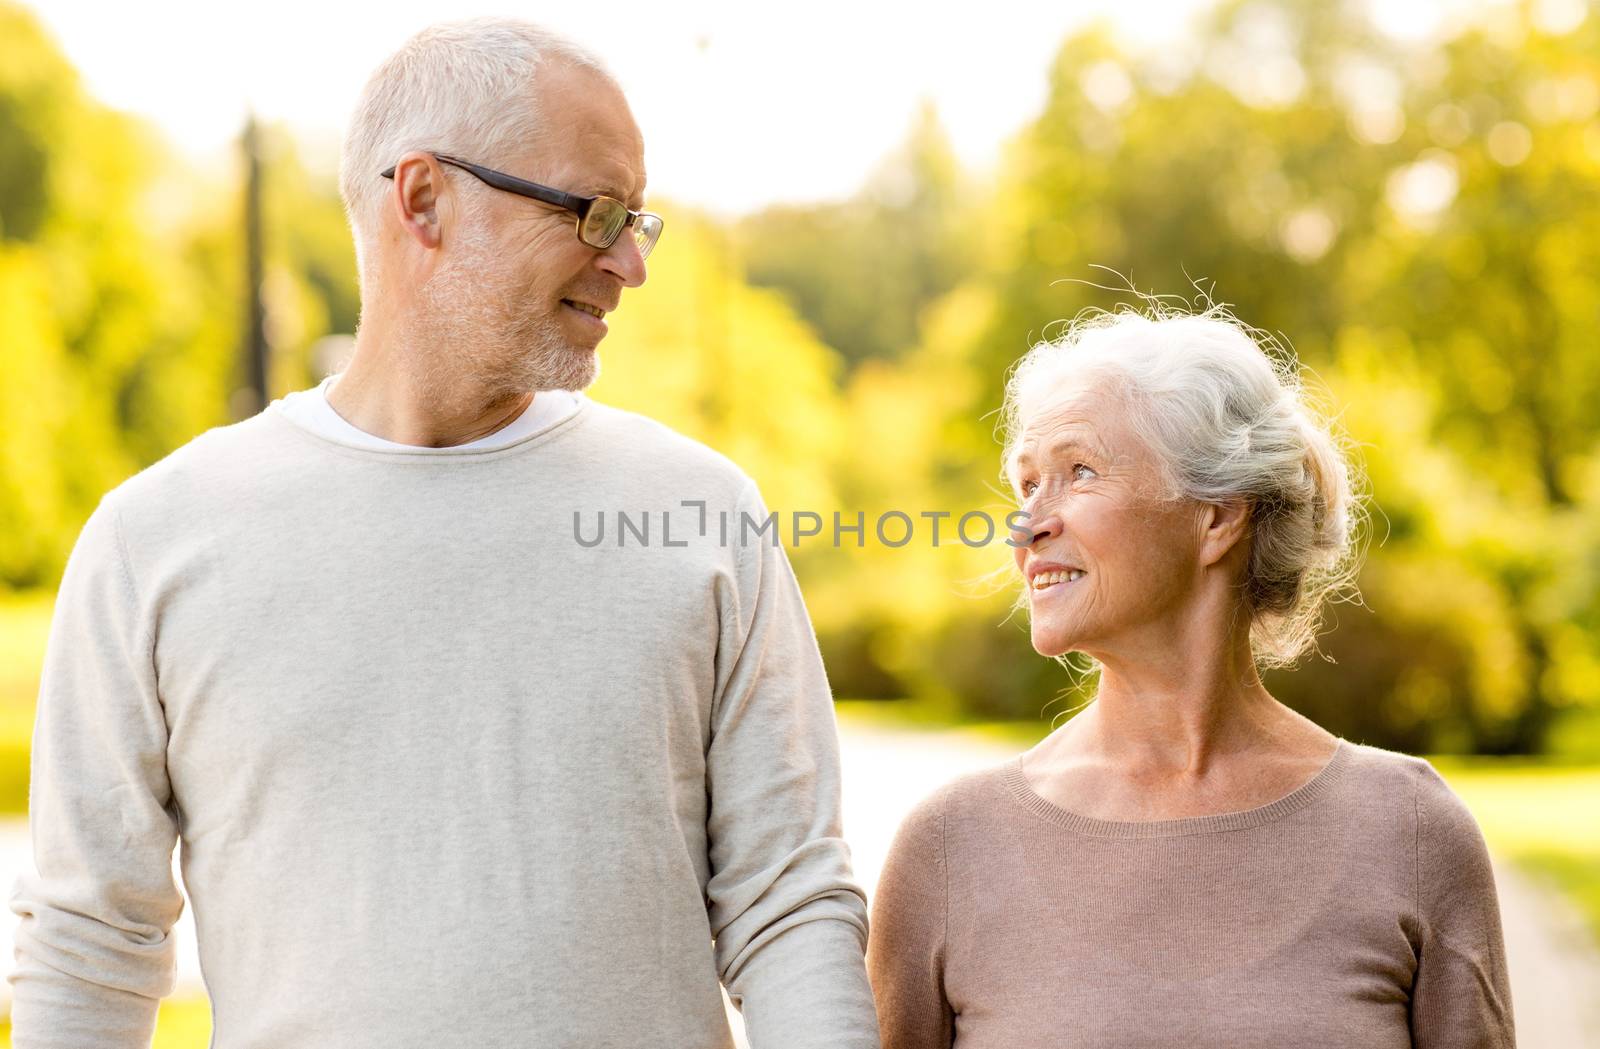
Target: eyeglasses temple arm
x,y
511,184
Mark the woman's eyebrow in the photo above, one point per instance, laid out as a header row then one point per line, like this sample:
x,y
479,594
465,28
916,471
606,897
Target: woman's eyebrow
x,y
1077,444
1024,456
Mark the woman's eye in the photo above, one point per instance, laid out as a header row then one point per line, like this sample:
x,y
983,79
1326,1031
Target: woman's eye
x,y
1079,471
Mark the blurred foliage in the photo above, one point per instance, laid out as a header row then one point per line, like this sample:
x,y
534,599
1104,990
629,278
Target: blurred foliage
x,y
696,348
862,271
24,624
1422,227
121,281
1420,222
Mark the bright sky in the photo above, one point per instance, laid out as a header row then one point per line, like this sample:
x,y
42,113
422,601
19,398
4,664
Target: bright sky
x,y
742,104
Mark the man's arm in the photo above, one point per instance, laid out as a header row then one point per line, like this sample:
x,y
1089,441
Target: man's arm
x,y
94,952
790,923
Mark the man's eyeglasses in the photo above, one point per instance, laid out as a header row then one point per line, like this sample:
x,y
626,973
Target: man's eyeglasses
x,y
601,219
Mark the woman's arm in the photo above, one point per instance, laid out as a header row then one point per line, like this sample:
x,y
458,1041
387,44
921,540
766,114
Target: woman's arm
x,y
1461,997
906,950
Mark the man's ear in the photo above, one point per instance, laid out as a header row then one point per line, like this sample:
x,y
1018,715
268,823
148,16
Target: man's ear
x,y
1222,527
418,183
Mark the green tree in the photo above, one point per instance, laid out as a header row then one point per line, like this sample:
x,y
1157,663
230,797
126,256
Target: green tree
x,y
862,271
1419,224
121,282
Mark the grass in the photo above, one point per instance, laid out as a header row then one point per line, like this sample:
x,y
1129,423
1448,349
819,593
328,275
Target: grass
x,y
1539,816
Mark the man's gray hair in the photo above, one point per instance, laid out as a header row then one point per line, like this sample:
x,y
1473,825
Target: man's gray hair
x,y
1227,422
457,87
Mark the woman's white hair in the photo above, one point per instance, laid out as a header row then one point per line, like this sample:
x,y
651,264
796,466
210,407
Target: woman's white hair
x,y
1227,422
457,87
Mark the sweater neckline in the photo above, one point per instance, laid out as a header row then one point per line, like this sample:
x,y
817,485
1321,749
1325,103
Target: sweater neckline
x,y
275,413
1315,787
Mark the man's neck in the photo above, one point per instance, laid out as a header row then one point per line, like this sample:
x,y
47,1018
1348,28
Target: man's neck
x,y
384,393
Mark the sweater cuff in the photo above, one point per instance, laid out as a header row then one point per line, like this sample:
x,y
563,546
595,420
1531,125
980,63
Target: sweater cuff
x,y
806,988
52,1010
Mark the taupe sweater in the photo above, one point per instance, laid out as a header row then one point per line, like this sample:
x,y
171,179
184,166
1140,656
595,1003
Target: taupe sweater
x,y
1359,910
442,775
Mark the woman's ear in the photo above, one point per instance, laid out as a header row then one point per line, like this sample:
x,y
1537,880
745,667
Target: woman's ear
x,y
1223,526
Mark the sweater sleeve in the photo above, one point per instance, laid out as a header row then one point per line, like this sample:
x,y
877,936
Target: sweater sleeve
x,y
1461,998
790,923
906,957
94,952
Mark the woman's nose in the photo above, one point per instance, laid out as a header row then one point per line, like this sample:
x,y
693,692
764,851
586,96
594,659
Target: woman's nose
x,y
1040,524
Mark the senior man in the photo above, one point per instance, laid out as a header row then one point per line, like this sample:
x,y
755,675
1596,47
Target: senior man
x,y
444,776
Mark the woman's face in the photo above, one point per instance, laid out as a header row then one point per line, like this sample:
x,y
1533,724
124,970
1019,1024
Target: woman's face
x,y
1109,560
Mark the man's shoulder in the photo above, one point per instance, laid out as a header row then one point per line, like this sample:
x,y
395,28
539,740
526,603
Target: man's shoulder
x,y
653,445
205,467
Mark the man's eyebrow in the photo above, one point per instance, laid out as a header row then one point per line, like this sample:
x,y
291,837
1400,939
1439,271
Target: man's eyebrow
x,y
608,189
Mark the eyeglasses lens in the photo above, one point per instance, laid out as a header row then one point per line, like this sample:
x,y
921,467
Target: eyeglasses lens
x,y
646,231
603,223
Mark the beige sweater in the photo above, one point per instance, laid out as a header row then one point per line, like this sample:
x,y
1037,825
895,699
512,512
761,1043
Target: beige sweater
x,y
1359,910
442,775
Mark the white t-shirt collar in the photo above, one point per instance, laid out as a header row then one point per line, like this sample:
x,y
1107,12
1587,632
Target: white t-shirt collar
x,y
311,410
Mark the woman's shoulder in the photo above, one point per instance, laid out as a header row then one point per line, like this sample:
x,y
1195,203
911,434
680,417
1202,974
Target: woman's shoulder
x,y
1402,773
1439,819
969,801
1454,875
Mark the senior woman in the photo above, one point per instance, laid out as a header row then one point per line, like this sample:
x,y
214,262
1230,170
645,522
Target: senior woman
x,y
1187,862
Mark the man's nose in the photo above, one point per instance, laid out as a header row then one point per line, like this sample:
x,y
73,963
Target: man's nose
x,y
623,261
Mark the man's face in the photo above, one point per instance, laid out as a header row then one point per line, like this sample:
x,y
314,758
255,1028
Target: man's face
x,y
526,288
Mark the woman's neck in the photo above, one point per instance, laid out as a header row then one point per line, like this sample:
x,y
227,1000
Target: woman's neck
x,y
1193,734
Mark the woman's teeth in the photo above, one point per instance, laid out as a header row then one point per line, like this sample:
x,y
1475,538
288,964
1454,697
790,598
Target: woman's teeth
x,y
1046,579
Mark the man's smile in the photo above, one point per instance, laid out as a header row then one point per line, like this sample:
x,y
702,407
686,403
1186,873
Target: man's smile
x,y
593,311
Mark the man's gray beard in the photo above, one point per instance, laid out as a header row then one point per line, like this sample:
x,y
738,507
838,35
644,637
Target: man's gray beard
x,y
480,331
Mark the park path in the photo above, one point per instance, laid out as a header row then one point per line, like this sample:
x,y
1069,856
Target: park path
x,y
1555,966
1554,960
